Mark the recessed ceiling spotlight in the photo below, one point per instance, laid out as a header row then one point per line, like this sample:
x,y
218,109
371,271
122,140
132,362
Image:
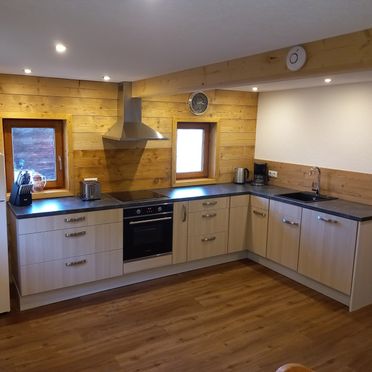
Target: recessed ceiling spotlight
x,y
60,48
106,78
255,89
327,80
27,71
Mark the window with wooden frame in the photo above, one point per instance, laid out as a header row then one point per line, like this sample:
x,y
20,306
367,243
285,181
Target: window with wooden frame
x,y
192,153
36,146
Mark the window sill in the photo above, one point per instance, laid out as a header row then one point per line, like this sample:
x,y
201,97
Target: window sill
x,y
195,182
47,194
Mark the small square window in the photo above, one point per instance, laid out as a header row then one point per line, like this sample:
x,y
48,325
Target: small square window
x,y
36,146
192,154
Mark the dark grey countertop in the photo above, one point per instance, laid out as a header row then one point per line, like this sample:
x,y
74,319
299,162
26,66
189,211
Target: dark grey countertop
x,y
48,207
224,189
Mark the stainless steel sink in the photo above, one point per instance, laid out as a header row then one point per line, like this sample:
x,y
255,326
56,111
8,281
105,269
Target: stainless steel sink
x,y
307,197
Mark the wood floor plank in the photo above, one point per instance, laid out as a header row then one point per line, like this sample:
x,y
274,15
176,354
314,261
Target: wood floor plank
x,y
238,316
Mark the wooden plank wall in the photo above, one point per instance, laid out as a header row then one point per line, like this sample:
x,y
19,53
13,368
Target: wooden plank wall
x,y
347,185
339,54
131,166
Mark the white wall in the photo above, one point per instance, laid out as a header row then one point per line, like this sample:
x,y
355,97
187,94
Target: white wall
x,y
330,127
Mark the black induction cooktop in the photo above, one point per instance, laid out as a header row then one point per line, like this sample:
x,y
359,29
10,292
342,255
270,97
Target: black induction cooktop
x,y
136,195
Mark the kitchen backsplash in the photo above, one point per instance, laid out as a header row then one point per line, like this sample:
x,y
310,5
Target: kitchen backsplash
x,y
347,185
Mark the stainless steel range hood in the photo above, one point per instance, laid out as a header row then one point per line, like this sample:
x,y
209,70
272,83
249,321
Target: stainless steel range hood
x,y
129,126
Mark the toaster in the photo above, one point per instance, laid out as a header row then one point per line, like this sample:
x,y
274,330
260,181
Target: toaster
x,y
90,189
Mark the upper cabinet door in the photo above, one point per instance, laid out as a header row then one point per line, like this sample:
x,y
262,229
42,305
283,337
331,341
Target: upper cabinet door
x,y
327,249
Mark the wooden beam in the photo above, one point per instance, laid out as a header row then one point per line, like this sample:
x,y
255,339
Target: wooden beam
x,y
345,53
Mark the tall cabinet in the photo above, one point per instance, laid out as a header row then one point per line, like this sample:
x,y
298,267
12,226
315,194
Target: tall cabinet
x,y
4,269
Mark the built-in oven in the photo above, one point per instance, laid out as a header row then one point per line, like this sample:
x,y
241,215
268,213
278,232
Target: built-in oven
x,y
148,231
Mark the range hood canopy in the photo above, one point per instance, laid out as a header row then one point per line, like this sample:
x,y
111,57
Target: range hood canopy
x,y
129,126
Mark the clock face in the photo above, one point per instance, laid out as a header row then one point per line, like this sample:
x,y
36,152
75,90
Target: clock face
x,y
198,103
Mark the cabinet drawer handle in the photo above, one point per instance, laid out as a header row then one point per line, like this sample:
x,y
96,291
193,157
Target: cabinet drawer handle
x,y
288,222
329,220
259,213
184,213
74,219
208,239
76,263
206,204
75,234
209,215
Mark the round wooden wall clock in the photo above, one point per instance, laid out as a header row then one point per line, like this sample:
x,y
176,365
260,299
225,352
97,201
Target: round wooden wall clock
x,y
198,103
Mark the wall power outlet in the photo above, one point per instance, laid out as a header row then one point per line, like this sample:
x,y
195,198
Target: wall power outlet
x,y
273,174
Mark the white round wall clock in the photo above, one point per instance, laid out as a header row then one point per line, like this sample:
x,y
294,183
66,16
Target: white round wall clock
x,y
296,58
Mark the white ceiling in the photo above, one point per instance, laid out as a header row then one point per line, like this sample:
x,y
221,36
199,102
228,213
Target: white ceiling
x,y
135,39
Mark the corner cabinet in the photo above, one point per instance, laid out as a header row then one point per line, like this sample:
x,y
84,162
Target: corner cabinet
x,y
327,249
284,233
238,223
257,225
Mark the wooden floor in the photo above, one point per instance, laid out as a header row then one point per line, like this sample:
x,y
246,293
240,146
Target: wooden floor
x,y
233,317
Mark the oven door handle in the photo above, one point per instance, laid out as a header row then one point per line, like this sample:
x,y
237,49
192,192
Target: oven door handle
x,y
148,221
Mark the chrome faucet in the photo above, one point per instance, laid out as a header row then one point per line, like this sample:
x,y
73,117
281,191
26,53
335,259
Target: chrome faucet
x,y
315,186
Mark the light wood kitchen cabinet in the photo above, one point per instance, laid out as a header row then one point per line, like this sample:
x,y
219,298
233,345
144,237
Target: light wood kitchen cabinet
x,y
257,225
65,250
180,228
284,233
46,276
238,223
208,204
66,221
327,249
207,228
207,245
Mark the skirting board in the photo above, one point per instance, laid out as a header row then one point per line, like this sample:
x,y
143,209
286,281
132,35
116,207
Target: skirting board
x,y
329,292
40,299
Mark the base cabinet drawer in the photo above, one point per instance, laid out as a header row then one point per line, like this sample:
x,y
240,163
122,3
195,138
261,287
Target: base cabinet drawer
x,y
55,245
67,272
207,245
207,222
207,204
66,221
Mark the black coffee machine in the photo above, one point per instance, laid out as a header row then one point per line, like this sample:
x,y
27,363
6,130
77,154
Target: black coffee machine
x,y
260,174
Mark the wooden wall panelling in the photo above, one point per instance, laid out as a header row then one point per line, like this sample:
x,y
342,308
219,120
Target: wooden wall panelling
x,y
91,111
334,55
347,185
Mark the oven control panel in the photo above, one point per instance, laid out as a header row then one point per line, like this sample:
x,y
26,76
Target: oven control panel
x,y
148,210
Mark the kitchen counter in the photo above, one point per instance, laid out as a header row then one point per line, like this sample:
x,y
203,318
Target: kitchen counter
x,y
224,189
71,204
48,207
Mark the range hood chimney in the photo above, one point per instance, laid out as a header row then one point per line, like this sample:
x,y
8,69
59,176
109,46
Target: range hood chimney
x,y
129,126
